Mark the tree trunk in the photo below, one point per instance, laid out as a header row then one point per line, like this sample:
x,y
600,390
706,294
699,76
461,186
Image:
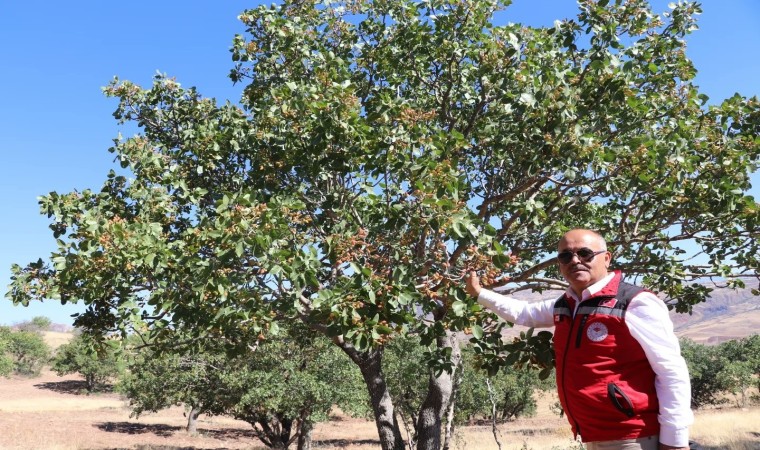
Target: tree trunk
x,y
440,389
285,430
370,365
90,383
304,436
494,412
274,432
192,420
450,409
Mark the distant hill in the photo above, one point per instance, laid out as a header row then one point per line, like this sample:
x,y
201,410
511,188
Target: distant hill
x,y
57,338
727,314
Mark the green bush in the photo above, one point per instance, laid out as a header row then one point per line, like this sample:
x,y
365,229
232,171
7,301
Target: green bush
x,y
22,352
97,364
37,324
730,368
511,392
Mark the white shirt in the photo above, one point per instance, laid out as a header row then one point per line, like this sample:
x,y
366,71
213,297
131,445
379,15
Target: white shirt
x,y
649,323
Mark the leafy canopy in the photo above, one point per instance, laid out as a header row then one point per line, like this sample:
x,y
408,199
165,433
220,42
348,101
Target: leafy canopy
x,y
383,147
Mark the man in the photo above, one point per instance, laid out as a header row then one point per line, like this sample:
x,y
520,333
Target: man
x,y
621,379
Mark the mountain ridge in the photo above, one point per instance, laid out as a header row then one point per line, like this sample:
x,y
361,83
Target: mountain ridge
x,y
727,314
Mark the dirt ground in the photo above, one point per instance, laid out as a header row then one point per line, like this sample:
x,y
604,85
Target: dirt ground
x,y
52,413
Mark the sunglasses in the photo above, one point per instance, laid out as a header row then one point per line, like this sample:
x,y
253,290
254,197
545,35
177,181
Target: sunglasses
x,y
584,254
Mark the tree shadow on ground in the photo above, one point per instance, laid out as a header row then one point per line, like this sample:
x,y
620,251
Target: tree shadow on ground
x,y
163,447
138,428
340,443
73,387
532,431
228,433
164,430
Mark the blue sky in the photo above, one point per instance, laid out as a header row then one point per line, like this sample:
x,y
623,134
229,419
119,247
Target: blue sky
x,y
56,126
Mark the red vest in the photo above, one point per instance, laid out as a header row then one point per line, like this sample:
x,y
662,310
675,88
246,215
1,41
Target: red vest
x,y
605,383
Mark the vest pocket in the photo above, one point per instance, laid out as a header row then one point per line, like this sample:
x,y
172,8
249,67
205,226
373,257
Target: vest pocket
x,y
621,401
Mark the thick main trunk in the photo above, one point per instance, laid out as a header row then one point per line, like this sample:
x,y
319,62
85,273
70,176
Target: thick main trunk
x,y
274,430
440,389
285,430
304,436
450,409
192,420
370,365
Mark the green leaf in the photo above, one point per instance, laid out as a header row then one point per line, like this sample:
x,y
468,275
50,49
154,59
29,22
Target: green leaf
x,y
527,98
459,308
405,298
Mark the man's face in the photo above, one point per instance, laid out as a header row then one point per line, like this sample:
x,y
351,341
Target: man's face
x,y
580,272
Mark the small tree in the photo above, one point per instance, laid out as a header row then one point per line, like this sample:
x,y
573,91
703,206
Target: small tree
x,y
705,365
512,389
6,361
513,392
281,387
753,350
752,353
741,365
287,385
155,381
737,378
96,363
37,324
24,352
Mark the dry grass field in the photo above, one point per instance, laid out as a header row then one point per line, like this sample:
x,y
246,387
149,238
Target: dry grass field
x,y
50,413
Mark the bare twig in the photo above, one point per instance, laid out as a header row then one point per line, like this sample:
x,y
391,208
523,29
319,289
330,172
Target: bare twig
x,y
491,397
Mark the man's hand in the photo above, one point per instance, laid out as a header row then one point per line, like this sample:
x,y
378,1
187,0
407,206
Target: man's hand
x,y
472,284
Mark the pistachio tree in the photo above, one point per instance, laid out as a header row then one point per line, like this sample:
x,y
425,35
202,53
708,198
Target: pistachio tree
x,y
380,149
98,365
284,387
22,352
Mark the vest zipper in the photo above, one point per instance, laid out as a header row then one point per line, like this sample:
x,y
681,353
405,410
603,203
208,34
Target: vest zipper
x,y
579,336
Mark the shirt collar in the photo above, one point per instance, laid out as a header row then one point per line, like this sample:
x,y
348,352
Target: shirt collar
x,y
593,289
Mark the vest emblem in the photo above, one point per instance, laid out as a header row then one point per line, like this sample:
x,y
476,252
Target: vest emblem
x,y
597,332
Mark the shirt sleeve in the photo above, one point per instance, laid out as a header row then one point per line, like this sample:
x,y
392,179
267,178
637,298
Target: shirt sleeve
x,y
529,314
649,323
